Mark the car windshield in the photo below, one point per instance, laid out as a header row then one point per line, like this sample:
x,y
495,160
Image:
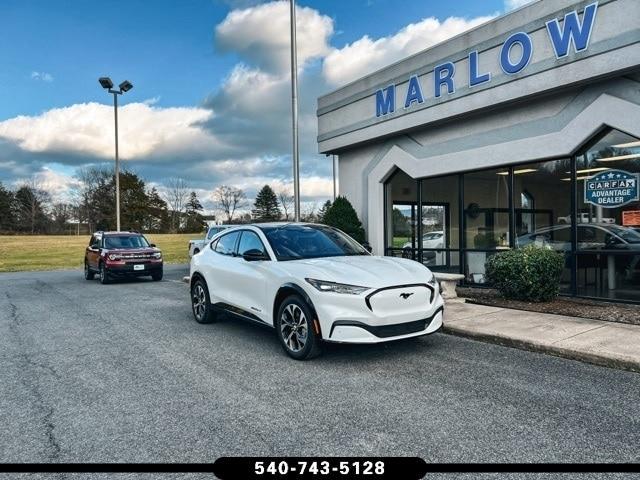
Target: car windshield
x,y
296,242
125,241
627,234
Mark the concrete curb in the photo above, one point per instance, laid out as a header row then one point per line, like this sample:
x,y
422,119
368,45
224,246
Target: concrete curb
x,y
571,354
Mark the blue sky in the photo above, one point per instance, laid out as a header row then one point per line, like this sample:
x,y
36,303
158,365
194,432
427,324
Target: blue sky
x,y
186,54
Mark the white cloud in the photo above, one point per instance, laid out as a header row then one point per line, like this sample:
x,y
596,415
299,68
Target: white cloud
x,y
367,55
87,129
513,4
44,76
261,35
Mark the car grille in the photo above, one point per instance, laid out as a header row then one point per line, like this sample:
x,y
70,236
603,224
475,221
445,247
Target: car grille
x,y
135,256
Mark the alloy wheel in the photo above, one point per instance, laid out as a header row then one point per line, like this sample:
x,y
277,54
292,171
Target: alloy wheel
x,y
294,327
199,300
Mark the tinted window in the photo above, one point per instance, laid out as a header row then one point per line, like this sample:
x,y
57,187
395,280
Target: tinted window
x,y
213,231
293,242
250,241
227,243
125,241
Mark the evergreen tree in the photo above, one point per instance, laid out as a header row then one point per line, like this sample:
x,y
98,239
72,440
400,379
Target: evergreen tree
x,y
342,215
157,219
7,210
193,208
266,207
323,211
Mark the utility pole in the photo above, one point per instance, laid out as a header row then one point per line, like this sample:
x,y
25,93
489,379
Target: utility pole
x,y
294,113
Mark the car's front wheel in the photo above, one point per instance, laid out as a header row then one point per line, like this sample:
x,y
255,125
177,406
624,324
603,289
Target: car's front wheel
x,y
200,302
294,327
104,275
88,273
157,276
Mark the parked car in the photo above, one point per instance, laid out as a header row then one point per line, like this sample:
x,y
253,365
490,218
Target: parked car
x,y
196,245
121,254
433,239
313,283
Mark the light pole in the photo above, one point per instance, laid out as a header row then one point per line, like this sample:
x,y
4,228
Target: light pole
x,y
124,87
294,112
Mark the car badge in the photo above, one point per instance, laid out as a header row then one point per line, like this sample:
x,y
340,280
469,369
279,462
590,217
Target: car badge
x,y
406,295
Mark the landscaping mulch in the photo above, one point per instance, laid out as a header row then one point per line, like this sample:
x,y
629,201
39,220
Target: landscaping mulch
x,y
575,307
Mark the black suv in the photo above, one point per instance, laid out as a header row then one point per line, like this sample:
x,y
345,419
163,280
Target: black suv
x,y
121,254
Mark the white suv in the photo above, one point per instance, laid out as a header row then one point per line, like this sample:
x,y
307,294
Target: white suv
x,y
313,283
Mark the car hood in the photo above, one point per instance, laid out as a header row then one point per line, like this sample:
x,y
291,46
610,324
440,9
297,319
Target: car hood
x,y
363,270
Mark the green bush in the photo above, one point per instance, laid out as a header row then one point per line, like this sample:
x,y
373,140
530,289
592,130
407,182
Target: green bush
x,y
343,216
531,273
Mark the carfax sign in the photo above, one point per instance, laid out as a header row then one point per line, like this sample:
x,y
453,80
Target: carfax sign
x,y
612,188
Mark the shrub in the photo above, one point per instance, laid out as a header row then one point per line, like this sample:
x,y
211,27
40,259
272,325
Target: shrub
x,y
343,216
531,273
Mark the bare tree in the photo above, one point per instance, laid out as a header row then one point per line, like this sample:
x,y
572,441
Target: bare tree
x,y
229,199
91,179
176,197
285,197
308,213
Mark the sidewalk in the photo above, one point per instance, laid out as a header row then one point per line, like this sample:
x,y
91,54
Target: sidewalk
x,y
610,344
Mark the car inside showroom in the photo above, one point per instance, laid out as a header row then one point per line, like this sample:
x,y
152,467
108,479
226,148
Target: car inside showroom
x,y
521,131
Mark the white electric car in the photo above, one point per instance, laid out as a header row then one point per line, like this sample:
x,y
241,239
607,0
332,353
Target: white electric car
x,y
313,283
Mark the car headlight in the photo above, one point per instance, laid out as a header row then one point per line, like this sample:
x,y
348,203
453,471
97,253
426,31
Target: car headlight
x,y
113,256
157,255
324,286
432,281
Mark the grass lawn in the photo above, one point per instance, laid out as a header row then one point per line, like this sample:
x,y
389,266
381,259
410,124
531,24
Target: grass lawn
x,y
50,252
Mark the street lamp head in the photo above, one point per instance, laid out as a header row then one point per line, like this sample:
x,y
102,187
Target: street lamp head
x,y
126,86
105,82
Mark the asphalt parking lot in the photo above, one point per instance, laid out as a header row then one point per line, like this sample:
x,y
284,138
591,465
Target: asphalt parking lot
x,y
122,373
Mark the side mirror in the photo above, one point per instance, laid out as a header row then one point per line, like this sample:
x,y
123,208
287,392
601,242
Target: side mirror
x,y
367,247
254,255
95,246
152,245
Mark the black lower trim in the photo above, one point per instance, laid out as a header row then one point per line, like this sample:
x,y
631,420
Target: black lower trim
x,y
386,331
239,312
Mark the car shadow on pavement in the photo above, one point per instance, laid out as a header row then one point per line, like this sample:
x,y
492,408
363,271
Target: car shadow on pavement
x,y
340,353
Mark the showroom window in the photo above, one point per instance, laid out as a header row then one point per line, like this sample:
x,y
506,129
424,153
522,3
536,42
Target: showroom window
x,y
608,218
585,207
542,208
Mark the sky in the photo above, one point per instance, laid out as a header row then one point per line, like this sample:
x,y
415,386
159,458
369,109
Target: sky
x,y
211,96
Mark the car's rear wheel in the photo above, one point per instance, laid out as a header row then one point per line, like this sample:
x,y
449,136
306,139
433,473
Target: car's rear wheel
x,y
104,275
88,273
200,302
294,327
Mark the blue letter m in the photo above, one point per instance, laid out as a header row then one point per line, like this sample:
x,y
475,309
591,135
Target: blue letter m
x,y
386,104
572,31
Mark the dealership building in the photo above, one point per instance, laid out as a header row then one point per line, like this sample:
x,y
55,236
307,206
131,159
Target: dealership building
x,y
524,130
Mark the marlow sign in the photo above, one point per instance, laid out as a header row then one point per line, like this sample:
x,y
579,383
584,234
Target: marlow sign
x,y
571,33
612,188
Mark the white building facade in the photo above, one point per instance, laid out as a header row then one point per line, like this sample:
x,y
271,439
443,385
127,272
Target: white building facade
x,y
524,130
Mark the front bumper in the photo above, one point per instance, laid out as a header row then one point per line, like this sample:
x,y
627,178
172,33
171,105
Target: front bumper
x,y
129,269
384,316
345,331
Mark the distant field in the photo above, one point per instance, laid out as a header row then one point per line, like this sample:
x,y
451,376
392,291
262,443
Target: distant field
x,y
50,252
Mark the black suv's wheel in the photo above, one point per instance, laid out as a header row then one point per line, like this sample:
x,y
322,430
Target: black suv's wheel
x,y
104,275
294,327
200,303
157,276
88,273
